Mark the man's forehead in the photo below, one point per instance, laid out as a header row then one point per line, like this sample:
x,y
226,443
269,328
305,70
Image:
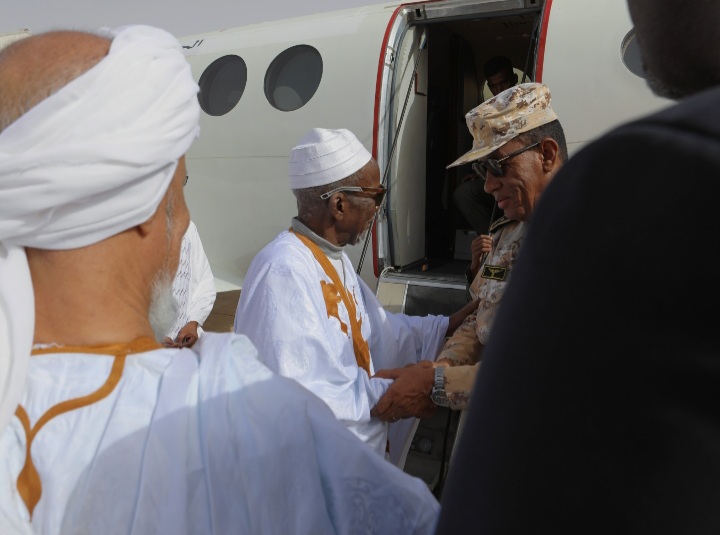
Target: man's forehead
x,y
502,75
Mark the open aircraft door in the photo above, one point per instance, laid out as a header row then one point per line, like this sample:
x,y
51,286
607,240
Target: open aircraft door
x,y
406,196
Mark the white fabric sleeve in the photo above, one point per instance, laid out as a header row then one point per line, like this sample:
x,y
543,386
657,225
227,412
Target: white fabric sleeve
x,y
202,283
399,339
282,311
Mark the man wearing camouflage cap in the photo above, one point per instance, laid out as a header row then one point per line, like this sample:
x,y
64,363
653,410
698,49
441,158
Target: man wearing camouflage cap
x,y
518,145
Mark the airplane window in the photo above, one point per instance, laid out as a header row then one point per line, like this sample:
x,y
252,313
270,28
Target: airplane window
x,y
293,77
222,84
631,54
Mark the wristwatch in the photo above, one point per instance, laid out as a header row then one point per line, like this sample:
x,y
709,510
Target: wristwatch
x,y
438,394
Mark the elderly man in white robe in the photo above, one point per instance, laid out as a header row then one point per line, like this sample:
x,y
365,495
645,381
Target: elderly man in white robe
x,y
114,433
307,311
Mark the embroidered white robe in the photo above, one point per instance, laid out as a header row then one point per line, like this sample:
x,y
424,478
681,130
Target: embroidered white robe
x,y
204,440
283,310
194,284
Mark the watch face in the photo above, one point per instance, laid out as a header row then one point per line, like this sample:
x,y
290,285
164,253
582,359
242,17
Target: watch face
x,y
439,398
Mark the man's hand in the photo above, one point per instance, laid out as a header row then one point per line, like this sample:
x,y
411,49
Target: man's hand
x,y
186,337
409,395
459,316
480,245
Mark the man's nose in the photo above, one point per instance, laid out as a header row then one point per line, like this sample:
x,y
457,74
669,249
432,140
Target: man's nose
x,y
492,183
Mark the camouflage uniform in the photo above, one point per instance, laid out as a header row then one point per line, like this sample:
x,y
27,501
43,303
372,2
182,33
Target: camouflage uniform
x,y
465,346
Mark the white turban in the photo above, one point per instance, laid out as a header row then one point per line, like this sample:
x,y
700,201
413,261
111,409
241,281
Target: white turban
x,y
325,156
88,162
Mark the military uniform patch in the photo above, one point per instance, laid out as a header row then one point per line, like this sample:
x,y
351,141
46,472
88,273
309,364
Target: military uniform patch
x,y
496,273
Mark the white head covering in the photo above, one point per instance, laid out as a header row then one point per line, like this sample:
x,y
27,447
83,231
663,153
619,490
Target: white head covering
x,y
93,159
325,156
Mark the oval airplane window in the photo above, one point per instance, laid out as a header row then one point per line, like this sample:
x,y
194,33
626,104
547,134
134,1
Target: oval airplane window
x,y
630,52
222,84
293,77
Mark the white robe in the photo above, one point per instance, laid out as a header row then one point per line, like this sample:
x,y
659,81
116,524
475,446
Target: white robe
x,y
283,311
194,284
205,441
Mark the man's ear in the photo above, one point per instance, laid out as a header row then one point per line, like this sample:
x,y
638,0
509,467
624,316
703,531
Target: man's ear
x,y
338,205
515,78
145,227
550,154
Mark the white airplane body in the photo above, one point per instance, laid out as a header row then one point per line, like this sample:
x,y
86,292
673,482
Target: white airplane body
x,y
361,62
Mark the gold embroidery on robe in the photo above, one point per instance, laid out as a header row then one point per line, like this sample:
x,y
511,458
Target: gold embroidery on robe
x,y
360,345
332,300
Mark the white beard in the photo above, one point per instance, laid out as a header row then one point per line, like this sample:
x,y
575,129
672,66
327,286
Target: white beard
x,y
163,306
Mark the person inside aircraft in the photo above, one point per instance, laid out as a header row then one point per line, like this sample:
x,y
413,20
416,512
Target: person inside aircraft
x,y
193,289
114,433
499,74
518,147
474,203
304,307
604,416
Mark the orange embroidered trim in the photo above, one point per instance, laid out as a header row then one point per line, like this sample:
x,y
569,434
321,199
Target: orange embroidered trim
x,y
360,345
29,484
332,300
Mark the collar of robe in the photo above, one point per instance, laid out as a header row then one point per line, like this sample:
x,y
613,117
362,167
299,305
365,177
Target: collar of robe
x,y
331,250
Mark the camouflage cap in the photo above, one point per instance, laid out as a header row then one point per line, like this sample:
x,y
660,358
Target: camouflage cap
x,y
504,117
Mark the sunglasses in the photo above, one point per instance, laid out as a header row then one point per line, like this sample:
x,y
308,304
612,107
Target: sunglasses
x,y
496,166
377,194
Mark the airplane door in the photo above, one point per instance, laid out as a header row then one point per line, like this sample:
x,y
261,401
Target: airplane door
x,y
406,196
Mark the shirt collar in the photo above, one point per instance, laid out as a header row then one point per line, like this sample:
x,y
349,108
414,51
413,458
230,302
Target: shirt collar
x,y
332,251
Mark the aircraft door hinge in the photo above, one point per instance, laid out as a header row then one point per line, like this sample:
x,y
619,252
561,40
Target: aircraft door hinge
x,y
390,57
418,13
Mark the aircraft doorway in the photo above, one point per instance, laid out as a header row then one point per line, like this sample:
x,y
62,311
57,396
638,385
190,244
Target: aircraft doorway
x,y
428,234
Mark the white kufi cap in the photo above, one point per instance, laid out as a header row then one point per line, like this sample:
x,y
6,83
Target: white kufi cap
x,y
325,156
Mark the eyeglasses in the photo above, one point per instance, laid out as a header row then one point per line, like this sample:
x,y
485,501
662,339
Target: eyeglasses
x,y
186,179
496,166
377,194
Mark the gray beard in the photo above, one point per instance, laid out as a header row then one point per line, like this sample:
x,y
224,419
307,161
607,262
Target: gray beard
x,y
163,306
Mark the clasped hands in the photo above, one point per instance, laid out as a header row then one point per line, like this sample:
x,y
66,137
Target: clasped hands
x,y
409,395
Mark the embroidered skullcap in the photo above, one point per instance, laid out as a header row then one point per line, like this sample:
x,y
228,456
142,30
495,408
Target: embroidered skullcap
x,y
505,116
325,156
88,162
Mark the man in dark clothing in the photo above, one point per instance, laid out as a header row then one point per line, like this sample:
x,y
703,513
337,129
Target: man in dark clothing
x,y
603,416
